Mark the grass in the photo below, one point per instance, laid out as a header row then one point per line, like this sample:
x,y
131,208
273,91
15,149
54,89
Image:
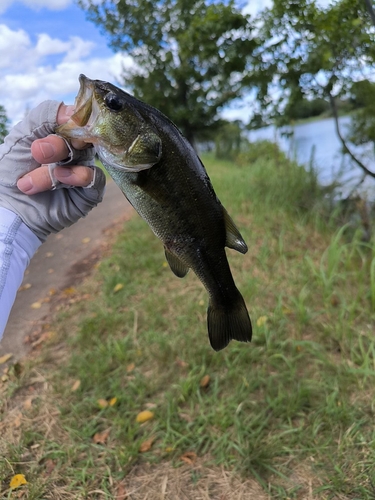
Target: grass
x,y
291,415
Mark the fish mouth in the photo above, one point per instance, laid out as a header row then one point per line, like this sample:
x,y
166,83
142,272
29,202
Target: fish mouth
x,y
75,127
83,102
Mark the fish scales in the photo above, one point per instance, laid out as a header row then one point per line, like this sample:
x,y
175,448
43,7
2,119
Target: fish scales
x,y
163,178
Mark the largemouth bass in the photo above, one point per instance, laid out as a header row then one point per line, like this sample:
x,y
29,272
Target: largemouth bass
x,y
163,178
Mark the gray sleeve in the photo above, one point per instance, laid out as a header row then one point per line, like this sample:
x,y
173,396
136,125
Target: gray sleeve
x,y
50,211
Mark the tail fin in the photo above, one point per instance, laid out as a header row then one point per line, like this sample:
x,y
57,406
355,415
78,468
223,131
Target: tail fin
x,y
227,323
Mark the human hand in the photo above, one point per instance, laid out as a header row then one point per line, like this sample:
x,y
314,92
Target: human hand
x,y
53,149
28,166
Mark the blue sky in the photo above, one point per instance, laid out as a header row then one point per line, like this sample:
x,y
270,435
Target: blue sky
x,y
46,44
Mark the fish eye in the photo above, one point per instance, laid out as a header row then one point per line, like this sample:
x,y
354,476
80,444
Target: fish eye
x,y
113,102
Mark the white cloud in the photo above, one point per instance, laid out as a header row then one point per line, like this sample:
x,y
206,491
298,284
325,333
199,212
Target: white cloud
x,y
13,46
36,4
78,49
28,76
47,45
255,6
50,4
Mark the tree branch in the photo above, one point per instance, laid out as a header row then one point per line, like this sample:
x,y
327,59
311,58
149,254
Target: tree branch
x,y
343,141
370,9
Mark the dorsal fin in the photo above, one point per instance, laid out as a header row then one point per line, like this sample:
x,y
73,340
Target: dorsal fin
x,y
177,266
234,239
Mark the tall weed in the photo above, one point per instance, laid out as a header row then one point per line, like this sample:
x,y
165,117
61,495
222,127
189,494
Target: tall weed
x,y
278,181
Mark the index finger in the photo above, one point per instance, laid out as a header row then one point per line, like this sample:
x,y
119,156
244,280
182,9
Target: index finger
x,y
50,149
63,115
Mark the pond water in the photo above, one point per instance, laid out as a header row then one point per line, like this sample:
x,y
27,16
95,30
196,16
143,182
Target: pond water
x,y
317,143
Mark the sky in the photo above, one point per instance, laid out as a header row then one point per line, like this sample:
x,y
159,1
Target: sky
x,y
46,44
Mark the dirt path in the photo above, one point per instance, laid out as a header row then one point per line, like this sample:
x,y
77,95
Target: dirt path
x,y
60,262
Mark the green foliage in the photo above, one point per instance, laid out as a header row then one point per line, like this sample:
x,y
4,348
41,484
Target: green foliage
x,y
191,55
279,181
317,53
312,51
305,108
363,118
228,140
3,123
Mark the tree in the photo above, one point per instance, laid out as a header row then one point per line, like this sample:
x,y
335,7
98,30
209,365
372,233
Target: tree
x,y
3,123
191,56
312,52
363,120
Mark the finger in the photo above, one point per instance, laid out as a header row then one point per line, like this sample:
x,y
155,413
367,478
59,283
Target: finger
x,y
63,115
50,149
39,179
36,181
79,176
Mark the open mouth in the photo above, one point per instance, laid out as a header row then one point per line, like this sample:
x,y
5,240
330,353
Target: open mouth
x,y
83,102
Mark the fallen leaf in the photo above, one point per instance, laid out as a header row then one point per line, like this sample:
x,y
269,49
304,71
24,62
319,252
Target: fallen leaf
x,y
189,457
112,401
69,291
120,493
36,305
144,416
101,437
17,421
181,364
76,386
130,367
26,286
44,336
262,320
86,240
50,466
169,449
28,404
17,481
103,403
118,287
5,358
147,445
204,383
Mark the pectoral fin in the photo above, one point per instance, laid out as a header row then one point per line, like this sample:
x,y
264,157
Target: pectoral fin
x,y
177,266
145,150
234,239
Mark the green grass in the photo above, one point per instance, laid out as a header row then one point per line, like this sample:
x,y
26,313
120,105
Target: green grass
x,y
299,401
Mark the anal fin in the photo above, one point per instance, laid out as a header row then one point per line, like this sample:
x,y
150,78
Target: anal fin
x,y
234,239
177,266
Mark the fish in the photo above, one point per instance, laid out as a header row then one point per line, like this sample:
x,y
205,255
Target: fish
x,y
163,178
